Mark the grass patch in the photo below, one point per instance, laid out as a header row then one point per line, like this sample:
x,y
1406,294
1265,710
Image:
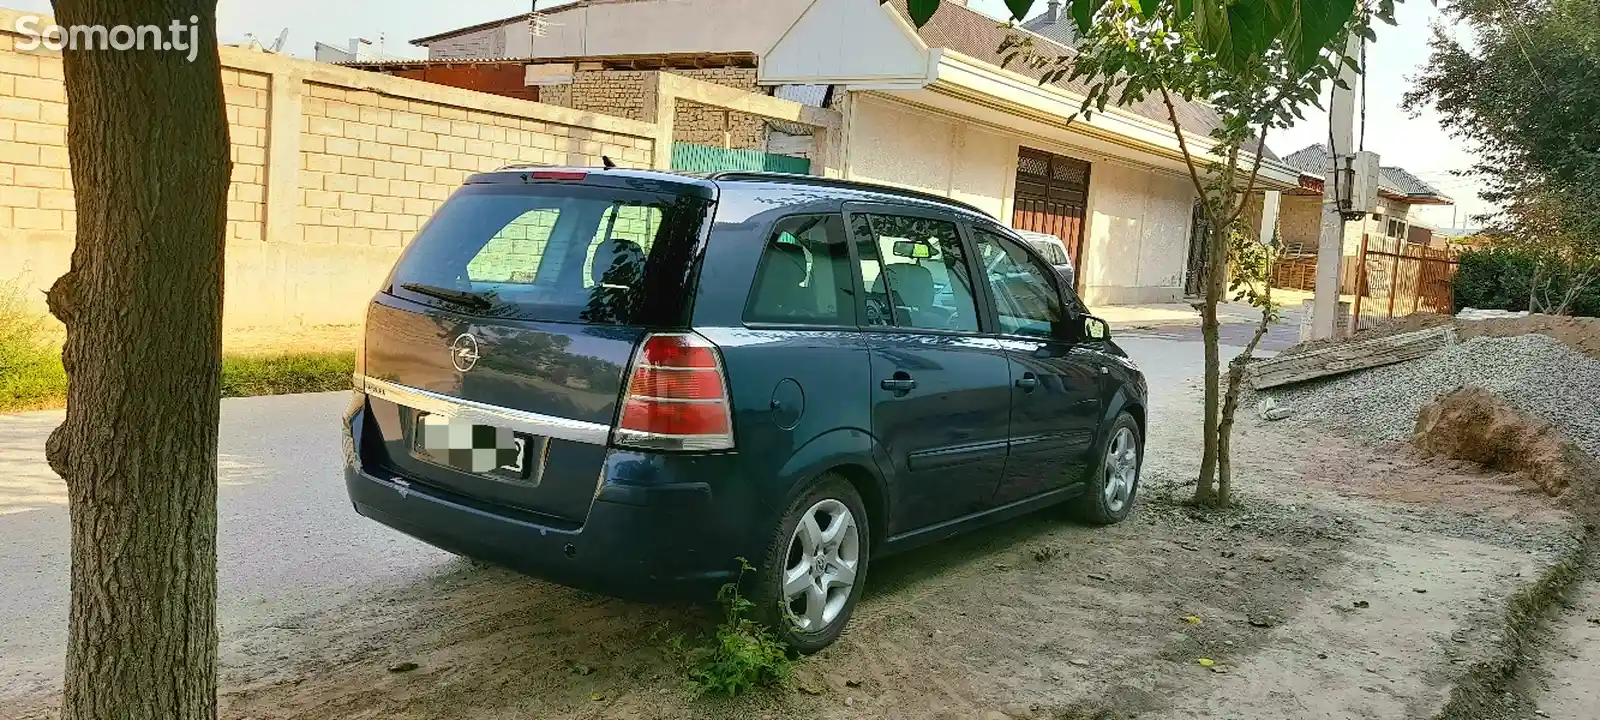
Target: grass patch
x,y
31,376
249,375
40,383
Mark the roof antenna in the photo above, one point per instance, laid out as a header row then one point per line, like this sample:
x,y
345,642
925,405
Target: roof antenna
x,y
606,161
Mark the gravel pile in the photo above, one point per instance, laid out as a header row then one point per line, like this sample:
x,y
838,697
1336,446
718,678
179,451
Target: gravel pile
x,y
1538,374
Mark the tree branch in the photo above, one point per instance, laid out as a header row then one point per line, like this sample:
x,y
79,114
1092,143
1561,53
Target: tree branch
x,y
1188,158
1255,169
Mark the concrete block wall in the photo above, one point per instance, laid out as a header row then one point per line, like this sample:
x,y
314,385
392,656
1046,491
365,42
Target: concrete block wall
x,y
625,93
35,186
1300,223
245,96
334,170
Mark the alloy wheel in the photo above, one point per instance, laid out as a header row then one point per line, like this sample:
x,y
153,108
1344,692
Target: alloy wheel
x,y
1122,469
820,567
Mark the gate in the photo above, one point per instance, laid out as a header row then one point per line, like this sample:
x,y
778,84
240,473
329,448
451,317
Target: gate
x,y
1395,279
690,157
1052,192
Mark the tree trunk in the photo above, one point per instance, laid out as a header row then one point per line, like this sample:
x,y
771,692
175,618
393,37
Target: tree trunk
x,y
1205,491
142,304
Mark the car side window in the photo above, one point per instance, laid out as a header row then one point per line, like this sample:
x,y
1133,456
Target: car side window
x,y
804,275
1025,296
915,273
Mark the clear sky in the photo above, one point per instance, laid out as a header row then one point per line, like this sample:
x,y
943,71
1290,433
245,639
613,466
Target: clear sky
x,y
1416,144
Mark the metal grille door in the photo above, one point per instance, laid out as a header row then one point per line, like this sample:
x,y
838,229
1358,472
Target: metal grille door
x,y
1052,194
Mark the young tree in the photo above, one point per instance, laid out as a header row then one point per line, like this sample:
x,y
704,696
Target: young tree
x,y
142,304
1257,63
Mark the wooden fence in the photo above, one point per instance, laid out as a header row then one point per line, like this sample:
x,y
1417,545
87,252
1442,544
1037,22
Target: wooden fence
x,y
1395,279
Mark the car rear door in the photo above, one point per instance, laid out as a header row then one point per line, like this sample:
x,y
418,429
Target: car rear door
x,y
497,349
1056,389
941,396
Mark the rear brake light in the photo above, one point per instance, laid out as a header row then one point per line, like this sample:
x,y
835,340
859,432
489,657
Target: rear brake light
x,y
677,396
557,175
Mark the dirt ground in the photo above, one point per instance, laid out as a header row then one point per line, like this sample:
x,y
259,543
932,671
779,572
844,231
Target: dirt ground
x,y
1331,599
1569,688
1352,582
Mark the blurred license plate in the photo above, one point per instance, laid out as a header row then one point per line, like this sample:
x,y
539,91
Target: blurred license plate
x,y
479,449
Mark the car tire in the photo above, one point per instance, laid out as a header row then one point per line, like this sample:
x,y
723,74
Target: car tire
x,y
1115,483
813,560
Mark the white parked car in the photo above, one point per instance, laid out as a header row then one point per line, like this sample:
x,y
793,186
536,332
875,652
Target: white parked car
x,y
1054,251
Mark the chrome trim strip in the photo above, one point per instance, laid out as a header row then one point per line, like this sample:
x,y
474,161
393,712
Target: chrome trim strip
x,y
483,414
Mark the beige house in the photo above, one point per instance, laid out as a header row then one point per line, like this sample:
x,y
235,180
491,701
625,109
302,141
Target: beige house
x,y
1396,225
930,109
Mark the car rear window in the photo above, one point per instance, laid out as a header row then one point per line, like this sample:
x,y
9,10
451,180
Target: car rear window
x,y
562,252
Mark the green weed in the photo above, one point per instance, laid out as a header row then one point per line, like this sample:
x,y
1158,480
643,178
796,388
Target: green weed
x,y
741,655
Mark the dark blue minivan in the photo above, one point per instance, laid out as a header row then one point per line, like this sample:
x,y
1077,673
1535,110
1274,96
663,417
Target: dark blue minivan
x,y
624,380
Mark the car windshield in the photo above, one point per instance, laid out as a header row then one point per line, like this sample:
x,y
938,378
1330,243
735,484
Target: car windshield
x,y
1052,252
565,252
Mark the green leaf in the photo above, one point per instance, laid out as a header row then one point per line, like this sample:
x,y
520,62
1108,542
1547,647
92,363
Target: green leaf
x,y
922,10
1248,29
1211,26
1185,8
1315,24
1019,8
1083,13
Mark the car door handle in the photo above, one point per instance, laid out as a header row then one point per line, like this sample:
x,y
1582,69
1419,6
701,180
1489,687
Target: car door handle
x,y
1028,382
899,383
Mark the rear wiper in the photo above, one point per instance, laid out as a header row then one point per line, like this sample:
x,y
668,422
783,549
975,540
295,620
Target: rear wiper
x,y
470,300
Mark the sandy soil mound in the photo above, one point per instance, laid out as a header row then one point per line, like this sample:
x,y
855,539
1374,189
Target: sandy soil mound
x,y
1581,334
1475,424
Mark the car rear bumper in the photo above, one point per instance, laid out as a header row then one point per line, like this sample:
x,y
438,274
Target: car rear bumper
x,y
657,542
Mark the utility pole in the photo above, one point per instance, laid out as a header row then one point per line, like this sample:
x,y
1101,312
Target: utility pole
x,y
1330,247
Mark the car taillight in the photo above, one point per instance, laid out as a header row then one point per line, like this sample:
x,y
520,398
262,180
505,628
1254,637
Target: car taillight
x,y
677,397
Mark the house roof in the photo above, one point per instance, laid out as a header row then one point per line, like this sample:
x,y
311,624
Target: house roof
x,y
521,17
652,61
1053,24
979,36
1393,181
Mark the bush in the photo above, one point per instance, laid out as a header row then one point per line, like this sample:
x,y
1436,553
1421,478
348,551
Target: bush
x,y
1502,279
29,368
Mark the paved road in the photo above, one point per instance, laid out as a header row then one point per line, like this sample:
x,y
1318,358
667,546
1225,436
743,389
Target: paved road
x,y
1282,335
1278,339
289,543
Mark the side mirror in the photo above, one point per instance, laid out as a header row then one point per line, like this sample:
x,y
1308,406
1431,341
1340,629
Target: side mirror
x,y
1088,328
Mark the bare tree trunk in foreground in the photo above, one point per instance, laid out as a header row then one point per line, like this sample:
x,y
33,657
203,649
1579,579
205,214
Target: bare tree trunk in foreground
x,y
142,303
